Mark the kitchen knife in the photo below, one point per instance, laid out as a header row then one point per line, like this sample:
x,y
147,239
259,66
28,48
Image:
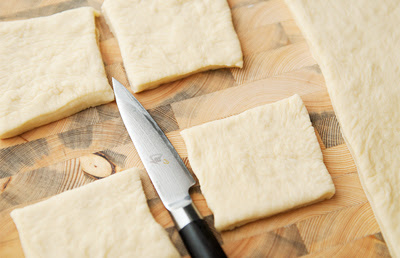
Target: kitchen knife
x,y
168,174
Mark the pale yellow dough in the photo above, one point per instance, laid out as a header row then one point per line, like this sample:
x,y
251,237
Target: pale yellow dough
x,y
259,163
165,40
50,68
356,44
106,218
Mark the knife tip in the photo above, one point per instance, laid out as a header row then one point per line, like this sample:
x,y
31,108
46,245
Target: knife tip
x,y
117,86
120,91
114,81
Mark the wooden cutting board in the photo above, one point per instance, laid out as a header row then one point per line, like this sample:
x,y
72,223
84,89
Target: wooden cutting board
x,y
94,143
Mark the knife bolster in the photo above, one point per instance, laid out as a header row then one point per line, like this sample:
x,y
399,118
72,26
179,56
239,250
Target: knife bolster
x,y
184,215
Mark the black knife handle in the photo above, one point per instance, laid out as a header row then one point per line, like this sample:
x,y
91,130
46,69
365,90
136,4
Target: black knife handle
x,y
196,234
200,241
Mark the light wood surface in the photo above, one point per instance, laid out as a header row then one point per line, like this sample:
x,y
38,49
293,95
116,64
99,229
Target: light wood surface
x,y
94,143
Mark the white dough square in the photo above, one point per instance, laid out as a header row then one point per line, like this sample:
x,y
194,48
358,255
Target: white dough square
x,y
165,40
259,163
106,218
50,68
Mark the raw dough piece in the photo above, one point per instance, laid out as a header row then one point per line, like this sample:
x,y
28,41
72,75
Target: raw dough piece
x,y
106,218
259,163
356,44
165,40
50,68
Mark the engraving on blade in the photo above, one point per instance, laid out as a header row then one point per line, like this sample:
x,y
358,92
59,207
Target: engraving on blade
x,y
167,171
156,158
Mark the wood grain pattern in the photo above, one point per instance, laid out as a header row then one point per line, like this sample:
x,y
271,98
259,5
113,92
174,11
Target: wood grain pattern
x,y
338,160
263,38
273,62
93,144
206,108
283,242
338,227
248,15
370,246
292,31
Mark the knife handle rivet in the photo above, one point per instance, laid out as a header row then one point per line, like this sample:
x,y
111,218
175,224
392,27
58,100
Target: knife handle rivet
x,y
166,161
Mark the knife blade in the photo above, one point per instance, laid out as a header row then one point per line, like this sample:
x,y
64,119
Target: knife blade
x,y
168,173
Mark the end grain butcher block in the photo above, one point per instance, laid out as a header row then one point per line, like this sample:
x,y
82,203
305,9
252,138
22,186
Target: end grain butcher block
x,y
94,144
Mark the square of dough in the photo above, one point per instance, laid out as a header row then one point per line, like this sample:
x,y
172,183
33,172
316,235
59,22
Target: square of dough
x,y
256,164
106,218
165,40
50,68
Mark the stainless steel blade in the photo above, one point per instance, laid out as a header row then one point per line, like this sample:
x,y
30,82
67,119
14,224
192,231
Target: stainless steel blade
x,y
166,169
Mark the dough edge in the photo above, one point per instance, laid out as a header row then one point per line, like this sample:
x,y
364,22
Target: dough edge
x,y
69,109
